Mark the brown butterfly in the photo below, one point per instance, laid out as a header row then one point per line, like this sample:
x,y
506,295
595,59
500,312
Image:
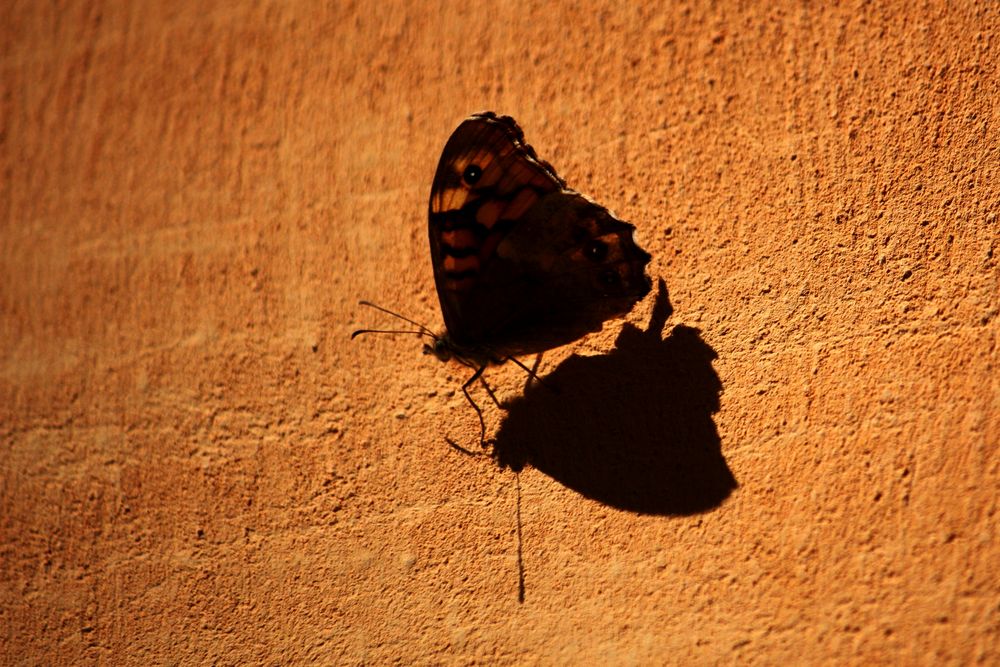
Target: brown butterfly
x,y
522,263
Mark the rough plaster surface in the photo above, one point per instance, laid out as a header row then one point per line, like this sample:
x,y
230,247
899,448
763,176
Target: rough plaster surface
x,y
799,464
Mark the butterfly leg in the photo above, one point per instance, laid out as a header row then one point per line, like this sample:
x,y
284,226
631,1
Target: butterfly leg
x,y
489,391
479,412
460,448
532,375
534,371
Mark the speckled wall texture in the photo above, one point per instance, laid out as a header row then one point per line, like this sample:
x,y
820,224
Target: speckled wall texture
x,y
789,454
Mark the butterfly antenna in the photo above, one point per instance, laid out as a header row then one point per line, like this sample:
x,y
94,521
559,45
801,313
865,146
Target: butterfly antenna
x,y
392,331
405,319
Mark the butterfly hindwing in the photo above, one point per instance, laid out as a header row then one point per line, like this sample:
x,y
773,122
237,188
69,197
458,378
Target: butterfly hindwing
x,y
571,264
522,263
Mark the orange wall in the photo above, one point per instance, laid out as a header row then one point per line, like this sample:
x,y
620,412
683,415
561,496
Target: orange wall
x,y
197,464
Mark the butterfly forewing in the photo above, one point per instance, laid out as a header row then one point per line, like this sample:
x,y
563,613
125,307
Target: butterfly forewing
x,y
486,180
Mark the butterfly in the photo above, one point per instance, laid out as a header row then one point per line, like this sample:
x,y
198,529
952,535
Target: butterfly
x,y
522,263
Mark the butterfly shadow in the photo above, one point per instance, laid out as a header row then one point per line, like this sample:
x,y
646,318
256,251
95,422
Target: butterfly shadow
x,y
633,428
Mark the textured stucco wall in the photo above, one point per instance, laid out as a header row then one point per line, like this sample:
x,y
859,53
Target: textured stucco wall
x,y
800,464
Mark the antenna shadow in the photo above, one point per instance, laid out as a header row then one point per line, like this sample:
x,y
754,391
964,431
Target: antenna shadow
x,y
633,428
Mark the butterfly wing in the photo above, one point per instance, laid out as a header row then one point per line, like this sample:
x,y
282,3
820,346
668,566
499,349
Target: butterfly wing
x,y
521,262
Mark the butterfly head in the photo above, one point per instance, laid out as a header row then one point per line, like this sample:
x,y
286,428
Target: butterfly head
x,y
440,349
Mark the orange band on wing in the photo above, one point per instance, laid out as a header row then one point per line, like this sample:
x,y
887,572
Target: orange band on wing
x,y
524,200
489,212
459,284
459,238
461,263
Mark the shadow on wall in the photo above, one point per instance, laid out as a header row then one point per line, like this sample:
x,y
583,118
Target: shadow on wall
x,y
633,428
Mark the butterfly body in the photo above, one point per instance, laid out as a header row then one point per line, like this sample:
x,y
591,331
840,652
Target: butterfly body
x,y
474,357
